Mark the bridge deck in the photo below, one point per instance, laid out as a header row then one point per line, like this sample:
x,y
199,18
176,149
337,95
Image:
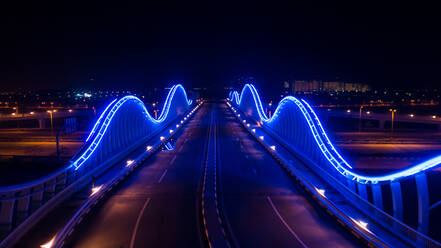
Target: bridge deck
x,y
260,205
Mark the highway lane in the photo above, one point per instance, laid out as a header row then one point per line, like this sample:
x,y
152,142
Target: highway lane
x,y
262,204
157,205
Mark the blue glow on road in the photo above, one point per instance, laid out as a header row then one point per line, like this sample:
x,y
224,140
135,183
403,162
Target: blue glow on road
x,y
111,113
322,140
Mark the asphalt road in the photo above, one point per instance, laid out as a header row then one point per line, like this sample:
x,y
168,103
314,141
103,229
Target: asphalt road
x,y
159,205
263,205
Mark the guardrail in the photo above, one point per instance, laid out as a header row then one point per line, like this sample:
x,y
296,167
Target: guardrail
x,y
60,238
21,206
390,224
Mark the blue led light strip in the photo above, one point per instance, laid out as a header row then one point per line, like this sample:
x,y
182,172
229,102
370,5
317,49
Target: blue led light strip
x,y
99,120
109,114
323,142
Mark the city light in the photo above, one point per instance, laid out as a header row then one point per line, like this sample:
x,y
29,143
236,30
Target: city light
x,y
411,115
161,138
49,244
12,113
362,224
129,162
253,130
323,142
95,190
433,116
320,191
272,147
368,112
261,137
171,130
348,111
148,148
248,125
182,122
244,121
31,113
177,125
70,110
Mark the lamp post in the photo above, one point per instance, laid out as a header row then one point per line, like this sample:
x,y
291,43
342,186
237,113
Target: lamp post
x,y
392,111
52,123
359,120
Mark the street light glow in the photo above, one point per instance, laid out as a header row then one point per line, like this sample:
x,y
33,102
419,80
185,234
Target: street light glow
x,y
95,190
320,191
48,244
129,162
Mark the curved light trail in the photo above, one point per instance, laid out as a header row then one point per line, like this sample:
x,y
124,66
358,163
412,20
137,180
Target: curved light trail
x,y
322,140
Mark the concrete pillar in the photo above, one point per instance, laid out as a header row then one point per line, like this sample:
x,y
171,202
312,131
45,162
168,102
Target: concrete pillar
x,y
6,215
362,190
351,185
378,197
423,203
41,123
397,200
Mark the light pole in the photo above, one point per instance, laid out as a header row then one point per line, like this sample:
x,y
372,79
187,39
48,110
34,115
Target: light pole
x,y
359,120
155,110
52,123
392,111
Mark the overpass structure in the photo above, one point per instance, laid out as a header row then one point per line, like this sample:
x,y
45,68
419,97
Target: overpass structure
x,y
218,174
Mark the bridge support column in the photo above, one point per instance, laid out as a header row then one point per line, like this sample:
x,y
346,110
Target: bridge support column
x,y
351,185
423,203
41,123
397,200
362,191
378,197
7,215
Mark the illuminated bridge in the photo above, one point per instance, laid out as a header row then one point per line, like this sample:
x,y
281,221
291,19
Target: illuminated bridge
x,y
219,174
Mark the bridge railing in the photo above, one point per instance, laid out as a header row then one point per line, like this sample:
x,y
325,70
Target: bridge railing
x,y
304,135
123,126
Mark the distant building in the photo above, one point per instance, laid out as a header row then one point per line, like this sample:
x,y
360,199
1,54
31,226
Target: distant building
x,y
309,86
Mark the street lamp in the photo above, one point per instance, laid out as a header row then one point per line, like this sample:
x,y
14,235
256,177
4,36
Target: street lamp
x,y
52,123
392,111
359,121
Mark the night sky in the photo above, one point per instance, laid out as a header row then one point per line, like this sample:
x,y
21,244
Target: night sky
x,y
144,46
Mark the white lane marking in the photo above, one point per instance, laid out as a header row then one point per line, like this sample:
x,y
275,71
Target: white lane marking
x,y
162,176
173,160
138,220
284,222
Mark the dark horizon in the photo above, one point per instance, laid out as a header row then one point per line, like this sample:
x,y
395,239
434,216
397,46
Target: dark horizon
x,y
392,46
